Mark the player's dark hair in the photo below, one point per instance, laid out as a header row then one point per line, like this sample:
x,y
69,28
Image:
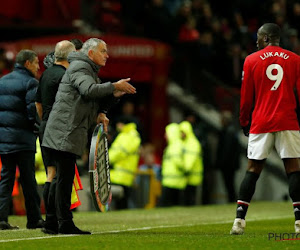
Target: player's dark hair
x,y
272,30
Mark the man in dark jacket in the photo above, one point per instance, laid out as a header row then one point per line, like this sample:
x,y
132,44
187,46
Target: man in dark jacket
x,y
45,98
17,140
80,98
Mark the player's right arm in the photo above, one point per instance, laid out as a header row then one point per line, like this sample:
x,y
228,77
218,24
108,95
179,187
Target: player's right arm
x,y
247,94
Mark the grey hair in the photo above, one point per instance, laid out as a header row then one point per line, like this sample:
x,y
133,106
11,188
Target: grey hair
x,y
62,50
25,55
91,44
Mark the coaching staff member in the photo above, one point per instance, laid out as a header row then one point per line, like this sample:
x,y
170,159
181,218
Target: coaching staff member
x,y
17,140
79,99
45,98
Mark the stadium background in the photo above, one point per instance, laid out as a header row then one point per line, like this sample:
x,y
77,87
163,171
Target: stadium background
x,y
183,57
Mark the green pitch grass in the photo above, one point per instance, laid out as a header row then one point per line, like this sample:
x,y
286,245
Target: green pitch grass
x,y
201,227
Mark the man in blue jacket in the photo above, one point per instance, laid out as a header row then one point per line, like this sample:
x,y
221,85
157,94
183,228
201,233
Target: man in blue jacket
x,y
17,140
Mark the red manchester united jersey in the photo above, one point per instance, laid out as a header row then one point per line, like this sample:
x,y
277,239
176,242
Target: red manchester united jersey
x,y
271,79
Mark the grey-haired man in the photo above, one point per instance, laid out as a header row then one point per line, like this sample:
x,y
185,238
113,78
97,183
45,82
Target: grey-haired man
x,y
80,99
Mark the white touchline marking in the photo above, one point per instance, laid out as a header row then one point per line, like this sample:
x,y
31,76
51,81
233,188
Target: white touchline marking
x,y
139,229
40,238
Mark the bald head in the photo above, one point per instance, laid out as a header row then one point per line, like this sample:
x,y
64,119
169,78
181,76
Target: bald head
x,y
268,34
62,50
272,30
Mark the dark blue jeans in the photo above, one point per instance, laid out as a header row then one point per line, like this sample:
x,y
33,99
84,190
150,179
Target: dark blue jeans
x,y
25,160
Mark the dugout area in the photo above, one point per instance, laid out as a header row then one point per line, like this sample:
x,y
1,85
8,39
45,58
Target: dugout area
x,y
145,61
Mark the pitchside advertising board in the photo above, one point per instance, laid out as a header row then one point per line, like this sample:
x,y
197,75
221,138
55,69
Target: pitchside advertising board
x,y
99,170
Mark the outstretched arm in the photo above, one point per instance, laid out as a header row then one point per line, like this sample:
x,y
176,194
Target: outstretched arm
x,y
123,87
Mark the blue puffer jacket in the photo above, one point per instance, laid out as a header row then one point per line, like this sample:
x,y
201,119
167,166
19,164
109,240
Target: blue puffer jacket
x,y
17,110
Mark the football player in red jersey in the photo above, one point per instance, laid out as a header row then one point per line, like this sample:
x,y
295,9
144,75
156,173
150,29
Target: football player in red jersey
x,y
269,93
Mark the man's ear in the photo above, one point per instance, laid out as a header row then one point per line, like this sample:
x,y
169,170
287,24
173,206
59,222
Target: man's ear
x,y
266,39
91,54
26,64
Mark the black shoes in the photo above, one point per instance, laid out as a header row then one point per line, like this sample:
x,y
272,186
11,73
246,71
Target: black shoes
x,y
74,230
39,224
68,227
6,226
50,227
49,230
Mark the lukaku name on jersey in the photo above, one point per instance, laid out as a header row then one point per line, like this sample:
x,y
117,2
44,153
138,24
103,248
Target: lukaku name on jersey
x,y
272,54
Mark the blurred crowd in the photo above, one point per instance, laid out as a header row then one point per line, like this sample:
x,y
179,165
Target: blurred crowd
x,y
205,36
212,36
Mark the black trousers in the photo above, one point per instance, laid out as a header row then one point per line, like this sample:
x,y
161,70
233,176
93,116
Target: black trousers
x,y
46,152
122,203
50,209
65,171
190,195
25,161
171,197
